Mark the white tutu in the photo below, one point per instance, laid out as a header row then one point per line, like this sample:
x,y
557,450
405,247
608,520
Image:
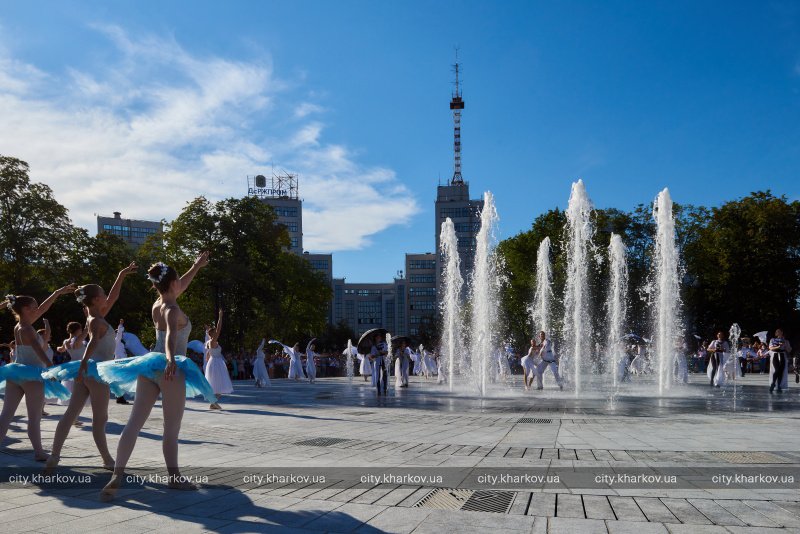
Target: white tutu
x,y
217,372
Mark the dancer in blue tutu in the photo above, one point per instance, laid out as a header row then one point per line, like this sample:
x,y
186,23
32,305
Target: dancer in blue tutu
x,y
23,377
88,383
166,372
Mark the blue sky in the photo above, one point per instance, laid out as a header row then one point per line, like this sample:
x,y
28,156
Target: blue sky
x,y
139,106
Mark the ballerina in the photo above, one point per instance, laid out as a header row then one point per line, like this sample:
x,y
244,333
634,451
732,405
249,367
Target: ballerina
x,y
719,349
549,359
87,383
528,366
120,353
167,372
311,365
401,361
259,368
295,365
216,370
365,368
779,348
46,334
23,378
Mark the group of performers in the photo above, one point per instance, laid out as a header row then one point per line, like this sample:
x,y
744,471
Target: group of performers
x,y
95,371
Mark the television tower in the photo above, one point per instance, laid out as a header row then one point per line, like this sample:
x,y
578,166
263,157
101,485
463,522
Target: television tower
x,y
457,104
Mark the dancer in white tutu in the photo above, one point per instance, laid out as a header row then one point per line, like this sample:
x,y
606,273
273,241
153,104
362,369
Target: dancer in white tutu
x,y
295,364
168,373
45,334
311,362
88,384
529,366
23,377
402,359
417,359
216,370
75,346
365,368
259,367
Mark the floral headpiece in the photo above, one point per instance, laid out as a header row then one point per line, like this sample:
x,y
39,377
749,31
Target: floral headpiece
x,y
157,279
11,301
81,295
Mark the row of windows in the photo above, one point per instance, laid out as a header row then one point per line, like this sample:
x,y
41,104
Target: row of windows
x,y
291,226
422,292
128,230
320,265
419,319
422,278
470,227
466,242
423,305
285,211
295,242
458,212
422,264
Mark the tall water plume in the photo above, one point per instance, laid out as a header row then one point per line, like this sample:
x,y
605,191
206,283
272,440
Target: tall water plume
x,y
451,284
577,326
348,363
616,304
543,296
484,295
667,291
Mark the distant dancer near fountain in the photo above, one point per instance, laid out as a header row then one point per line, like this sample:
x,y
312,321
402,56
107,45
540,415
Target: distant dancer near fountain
x,y
380,375
779,348
719,350
529,366
549,359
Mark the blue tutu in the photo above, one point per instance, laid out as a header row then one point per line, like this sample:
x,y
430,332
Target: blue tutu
x,y
69,371
19,373
121,375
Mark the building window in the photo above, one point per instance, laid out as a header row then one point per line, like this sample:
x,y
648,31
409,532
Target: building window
x,y
468,227
291,226
295,242
320,265
423,305
422,279
454,213
369,312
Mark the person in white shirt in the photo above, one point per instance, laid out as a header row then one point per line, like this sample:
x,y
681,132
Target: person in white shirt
x,y
779,350
719,350
549,359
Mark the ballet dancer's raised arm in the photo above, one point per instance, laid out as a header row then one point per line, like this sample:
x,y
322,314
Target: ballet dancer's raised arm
x,y
186,279
46,303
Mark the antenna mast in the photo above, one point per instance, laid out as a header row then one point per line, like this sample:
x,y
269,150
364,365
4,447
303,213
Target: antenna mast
x,y
457,104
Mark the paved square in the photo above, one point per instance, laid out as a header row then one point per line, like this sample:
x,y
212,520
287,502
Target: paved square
x,y
331,457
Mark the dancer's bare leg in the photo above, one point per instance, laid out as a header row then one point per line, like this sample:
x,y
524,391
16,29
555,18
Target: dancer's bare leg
x,y
34,401
13,397
146,395
99,394
173,401
76,402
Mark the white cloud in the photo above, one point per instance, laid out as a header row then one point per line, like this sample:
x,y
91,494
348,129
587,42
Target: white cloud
x,y
160,125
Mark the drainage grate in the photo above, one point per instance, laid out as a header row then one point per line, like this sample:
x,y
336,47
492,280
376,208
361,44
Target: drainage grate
x,y
534,421
445,499
751,458
322,442
498,502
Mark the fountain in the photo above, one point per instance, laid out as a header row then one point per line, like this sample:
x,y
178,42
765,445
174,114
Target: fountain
x,y
666,285
348,363
452,283
577,329
616,305
540,310
734,334
484,296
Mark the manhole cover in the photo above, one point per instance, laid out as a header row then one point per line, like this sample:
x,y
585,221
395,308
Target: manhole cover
x,y
322,442
534,421
445,499
498,502
751,458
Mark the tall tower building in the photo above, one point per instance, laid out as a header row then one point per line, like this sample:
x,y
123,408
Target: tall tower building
x,y
452,199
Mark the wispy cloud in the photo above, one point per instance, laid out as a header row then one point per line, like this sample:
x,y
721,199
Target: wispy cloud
x,y
161,125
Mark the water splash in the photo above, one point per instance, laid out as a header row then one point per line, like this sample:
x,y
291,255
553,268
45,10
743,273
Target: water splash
x,y
734,334
543,296
577,329
484,295
388,360
666,291
452,282
616,305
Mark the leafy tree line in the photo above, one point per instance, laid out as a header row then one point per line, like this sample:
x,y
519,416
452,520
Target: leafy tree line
x,y
740,263
265,290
